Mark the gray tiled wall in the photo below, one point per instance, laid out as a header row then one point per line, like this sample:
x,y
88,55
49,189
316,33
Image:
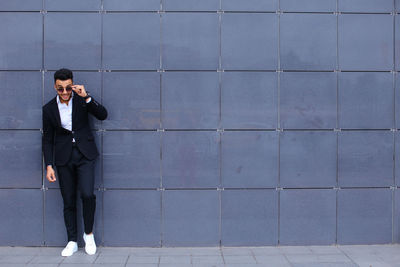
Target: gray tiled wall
x,y
231,122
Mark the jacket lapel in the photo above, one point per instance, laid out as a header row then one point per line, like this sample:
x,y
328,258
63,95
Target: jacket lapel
x,y
56,111
74,109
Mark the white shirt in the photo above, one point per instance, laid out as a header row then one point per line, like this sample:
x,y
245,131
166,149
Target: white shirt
x,y
65,114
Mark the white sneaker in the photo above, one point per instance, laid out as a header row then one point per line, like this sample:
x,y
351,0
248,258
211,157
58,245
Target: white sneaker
x,y
90,246
70,249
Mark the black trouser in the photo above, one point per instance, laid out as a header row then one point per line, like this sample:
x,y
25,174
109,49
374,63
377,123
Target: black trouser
x,y
78,172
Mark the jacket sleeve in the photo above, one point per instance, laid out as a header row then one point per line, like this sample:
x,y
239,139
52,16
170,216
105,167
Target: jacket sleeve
x,y
47,139
96,109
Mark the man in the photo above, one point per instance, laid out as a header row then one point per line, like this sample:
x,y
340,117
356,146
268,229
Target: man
x,y
68,145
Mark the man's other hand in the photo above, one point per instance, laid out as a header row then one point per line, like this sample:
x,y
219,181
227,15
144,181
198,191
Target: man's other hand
x,y
50,174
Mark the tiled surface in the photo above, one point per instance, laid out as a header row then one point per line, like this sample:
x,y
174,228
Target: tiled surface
x,y
373,6
21,45
249,216
365,100
190,41
217,108
253,5
308,216
365,159
190,100
249,100
120,48
249,41
308,159
80,39
132,218
132,99
249,159
308,100
191,5
20,148
190,218
364,42
74,5
27,203
137,5
17,87
190,159
364,216
127,168
285,256
308,5
308,41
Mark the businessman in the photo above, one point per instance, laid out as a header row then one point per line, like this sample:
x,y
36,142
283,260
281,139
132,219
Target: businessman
x,y
68,145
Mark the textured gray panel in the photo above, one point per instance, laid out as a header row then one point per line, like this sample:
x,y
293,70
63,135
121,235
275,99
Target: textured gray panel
x,y
190,41
396,217
21,217
20,159
190,100
250,5
397,38
77,45
97,167
308,100
190,159
308,217
138,48
191,5
364,216
365,42
397,101
249,217
55,233
131,159
249,159
132,218
365,5
308,5
212,80
132,99
397,158
21,89
21,5
249,100
135,5
365,158
190,218
72,5
249,41
308,41
365,100
21,41
308,159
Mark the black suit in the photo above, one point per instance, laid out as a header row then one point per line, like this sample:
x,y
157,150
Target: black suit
x,y
53,133
74,161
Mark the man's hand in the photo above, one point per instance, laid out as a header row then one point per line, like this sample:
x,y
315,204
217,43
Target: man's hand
x,y
79,89
50,175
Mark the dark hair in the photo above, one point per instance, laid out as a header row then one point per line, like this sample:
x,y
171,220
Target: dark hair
x,y
63,75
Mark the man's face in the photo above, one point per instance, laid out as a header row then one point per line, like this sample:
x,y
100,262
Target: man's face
x,y
66,92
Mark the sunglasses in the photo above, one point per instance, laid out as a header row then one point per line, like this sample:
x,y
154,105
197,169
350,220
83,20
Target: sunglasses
x,y
61,90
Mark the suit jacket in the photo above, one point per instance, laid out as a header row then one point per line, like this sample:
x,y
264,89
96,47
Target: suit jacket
x,y
57,141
